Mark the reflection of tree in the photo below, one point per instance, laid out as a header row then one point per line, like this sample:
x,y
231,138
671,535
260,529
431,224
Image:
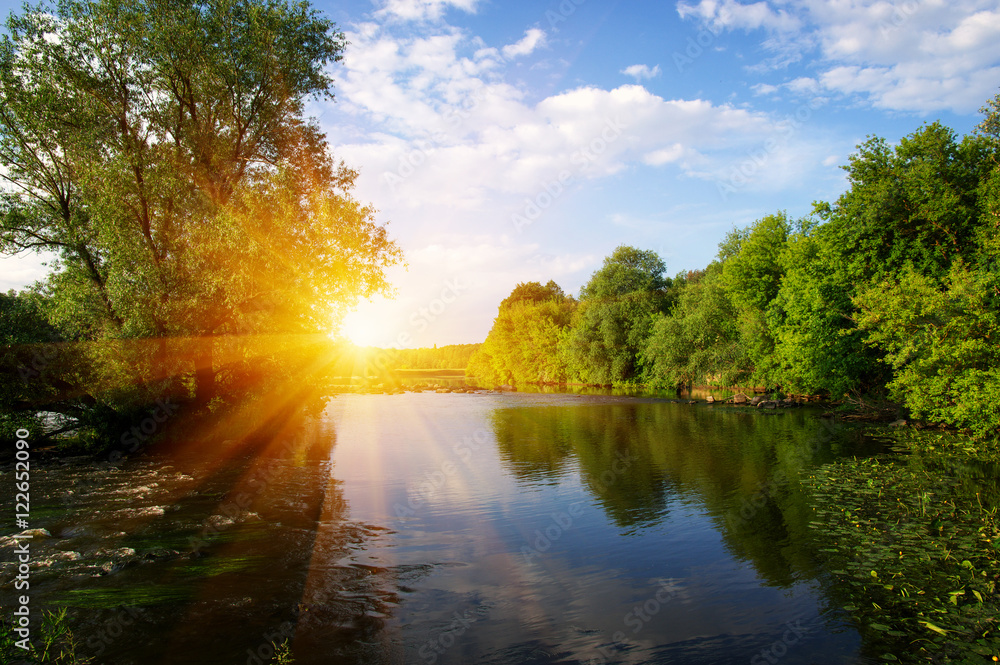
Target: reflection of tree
x,y
261,534
532,442
743,467
536,443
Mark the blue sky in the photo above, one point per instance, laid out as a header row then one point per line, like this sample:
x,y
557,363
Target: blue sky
x,y
517,141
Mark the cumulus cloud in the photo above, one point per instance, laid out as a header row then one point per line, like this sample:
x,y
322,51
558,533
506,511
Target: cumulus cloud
x,y
443,141
917,56
732,15
451,123
533,38
421,10
639,72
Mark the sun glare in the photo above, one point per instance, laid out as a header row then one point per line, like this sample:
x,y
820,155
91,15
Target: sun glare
x,y
363,329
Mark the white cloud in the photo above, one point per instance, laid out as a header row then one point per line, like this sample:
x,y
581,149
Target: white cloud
x,y
21,270
732,15
421,10
803,85
533,38
664,155
922,56
639,72
764,89
452,131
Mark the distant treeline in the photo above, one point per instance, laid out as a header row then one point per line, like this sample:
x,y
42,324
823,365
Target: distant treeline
x,y
451,356
890,292
372,361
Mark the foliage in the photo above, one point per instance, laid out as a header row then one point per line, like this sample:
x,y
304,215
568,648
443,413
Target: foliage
x,y
615,317
752,272
282,653
943,342
912,205
56,643
449,356
817,346
914,556
533,292
160,148
522,346
698,342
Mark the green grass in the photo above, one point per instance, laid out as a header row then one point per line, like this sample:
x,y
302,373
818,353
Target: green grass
x,y
55,644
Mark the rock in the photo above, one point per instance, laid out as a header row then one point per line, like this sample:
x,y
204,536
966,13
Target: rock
x,y
898,423
756,400
692,401
710,399
36,533
740,398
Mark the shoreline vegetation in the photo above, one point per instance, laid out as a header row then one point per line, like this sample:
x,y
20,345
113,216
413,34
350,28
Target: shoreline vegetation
x,y
887,299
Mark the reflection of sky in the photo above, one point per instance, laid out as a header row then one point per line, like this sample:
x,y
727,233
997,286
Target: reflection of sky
x,y
536,569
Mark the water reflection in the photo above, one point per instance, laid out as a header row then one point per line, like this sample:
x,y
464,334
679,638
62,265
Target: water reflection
x,y
590,531
445,528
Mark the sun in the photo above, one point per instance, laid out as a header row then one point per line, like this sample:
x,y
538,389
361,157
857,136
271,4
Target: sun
x,y
363,329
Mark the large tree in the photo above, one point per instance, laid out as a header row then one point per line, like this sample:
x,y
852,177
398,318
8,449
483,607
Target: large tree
x,y
522,345
160,148
615,316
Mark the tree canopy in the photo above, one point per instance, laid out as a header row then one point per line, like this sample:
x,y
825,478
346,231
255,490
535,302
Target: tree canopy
x,y
160,148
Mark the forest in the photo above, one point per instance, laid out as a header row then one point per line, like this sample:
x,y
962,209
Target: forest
x,y
888,295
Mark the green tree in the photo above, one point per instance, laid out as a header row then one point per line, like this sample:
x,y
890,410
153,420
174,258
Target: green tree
x,y
615,317
160,148
943,341
699,341
817,345
912,205
522,345
752,272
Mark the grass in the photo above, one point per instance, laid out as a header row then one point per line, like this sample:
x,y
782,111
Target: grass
x,y
56,643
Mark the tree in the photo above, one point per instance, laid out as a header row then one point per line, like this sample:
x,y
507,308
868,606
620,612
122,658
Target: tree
x,y
752,272
699,341
615,316
817,345
534,292
522,345
943,341
912,205
160,148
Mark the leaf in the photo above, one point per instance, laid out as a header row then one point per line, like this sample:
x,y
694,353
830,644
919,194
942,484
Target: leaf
x,y
936,629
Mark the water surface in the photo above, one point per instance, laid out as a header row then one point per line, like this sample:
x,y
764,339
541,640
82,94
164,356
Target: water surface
x,y
456,528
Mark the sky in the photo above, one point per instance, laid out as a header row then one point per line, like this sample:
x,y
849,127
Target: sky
x,y
515,141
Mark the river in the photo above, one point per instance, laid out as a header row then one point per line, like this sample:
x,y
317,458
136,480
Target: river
x,y
452,528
